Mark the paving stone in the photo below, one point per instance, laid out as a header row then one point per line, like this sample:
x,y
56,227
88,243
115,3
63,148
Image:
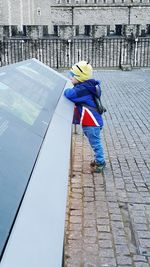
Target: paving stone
x,y
89,265
76,212
76,219
144,243
144,234
102,214
107,262
105,243
73,244
74,262
106,236
75,195
116,217
114,211
141,226
88,199
77,190
91,249
142,219
139,258
117,224
88,211
103,221
122,250
106,252
74,235
141,264
120,240
90,240
103,228
124,260
118,232
90,231
89,222
75,226
108,215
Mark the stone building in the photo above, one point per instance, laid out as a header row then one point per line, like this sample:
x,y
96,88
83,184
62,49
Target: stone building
x,y
25,17
97,18
74,18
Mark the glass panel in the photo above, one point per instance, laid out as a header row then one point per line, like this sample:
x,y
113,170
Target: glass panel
x,y
29,93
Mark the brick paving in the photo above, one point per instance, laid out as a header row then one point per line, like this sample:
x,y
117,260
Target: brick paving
x,y
108,216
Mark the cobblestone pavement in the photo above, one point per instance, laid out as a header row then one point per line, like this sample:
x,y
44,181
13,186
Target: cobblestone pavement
x,y
108,216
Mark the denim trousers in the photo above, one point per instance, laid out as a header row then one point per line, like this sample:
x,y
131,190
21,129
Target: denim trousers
x,y
93,135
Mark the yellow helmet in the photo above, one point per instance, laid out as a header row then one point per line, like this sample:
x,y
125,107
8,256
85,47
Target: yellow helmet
x,y
82,71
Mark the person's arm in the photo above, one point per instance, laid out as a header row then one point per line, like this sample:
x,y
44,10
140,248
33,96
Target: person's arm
x,y
70,94
77,94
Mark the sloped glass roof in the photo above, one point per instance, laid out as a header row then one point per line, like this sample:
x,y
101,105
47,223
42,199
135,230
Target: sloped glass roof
x,y
29,93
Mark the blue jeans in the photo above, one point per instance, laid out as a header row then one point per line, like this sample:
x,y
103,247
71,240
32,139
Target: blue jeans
x,y
93,135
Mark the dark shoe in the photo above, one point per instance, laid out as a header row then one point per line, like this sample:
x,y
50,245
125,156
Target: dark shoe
x,y
98,167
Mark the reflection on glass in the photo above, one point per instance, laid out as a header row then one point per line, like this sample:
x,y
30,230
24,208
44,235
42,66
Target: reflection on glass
x,y
28,71
18,105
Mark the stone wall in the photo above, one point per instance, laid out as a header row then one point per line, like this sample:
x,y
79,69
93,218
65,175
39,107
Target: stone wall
x,y
90,16
26,12
66,31
101,17
104,15
100,30
140,15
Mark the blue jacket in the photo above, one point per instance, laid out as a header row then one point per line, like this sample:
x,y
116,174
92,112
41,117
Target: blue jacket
x,y
82,94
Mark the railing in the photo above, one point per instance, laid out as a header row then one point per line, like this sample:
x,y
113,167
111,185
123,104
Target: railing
x,y
61,53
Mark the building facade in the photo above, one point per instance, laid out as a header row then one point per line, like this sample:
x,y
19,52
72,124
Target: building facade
x,y
97,18
25,17
74,18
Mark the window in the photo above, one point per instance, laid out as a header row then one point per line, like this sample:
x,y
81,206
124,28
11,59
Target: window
x,y
148,28
68,1
6,31
87,30
24,30
77,29
56,30
108,30
95,1
39,11
14,30
143,33
45,30
118,29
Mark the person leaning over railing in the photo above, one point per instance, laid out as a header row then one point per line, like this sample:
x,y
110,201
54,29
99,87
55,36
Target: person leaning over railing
x,y
86,111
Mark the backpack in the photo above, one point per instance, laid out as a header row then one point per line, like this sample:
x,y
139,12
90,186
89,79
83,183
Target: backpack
x,y
100,108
